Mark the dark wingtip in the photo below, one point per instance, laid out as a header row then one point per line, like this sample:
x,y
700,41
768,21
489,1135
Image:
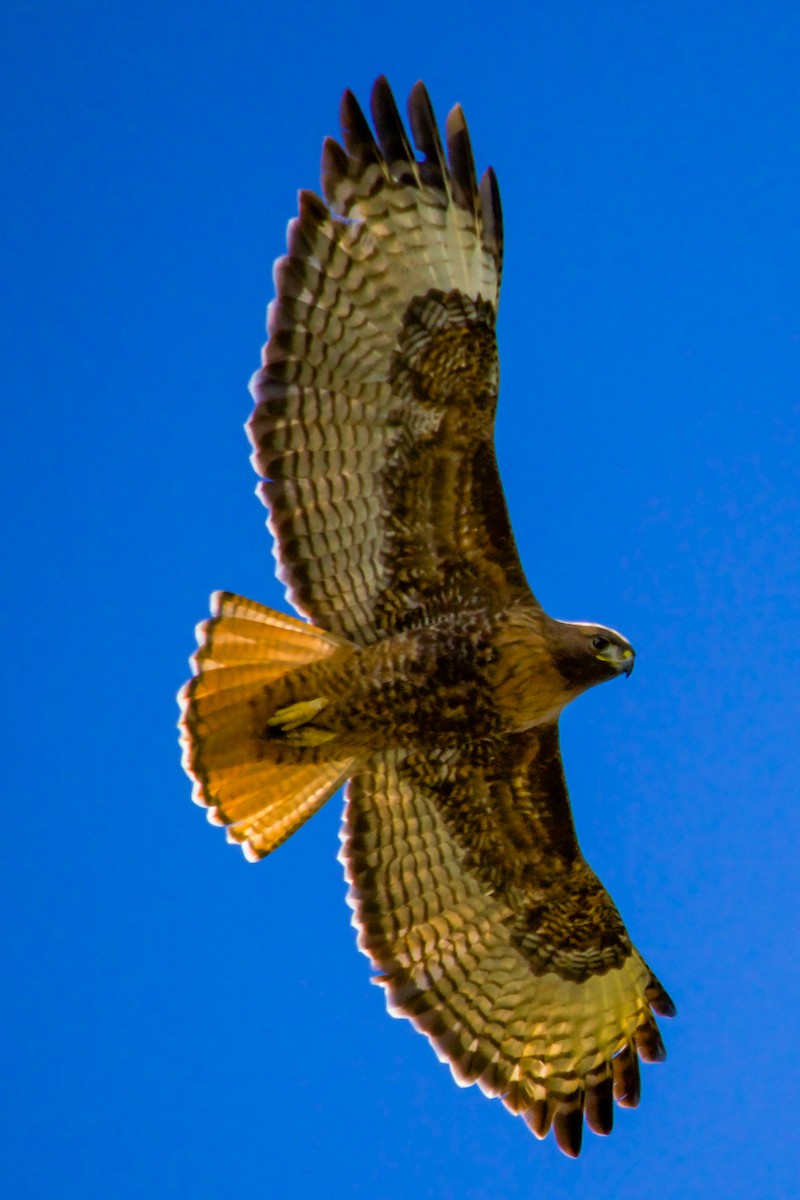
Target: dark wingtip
x,y
649,1044
419,95
333,168
659,1000
568,1130
539,1118
392,137
627,1081
425,132
492,212
462,163
356,133
599,1106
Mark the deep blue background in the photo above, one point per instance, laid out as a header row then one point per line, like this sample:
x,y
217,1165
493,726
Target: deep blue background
x,y
178,1022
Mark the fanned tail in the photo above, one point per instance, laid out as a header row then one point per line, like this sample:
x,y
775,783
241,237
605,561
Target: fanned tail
x,y
246,772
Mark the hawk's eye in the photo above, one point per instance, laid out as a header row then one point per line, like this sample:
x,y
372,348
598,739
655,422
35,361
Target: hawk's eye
x,y
600,643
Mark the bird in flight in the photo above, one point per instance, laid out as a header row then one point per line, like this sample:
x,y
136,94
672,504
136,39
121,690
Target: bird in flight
x,y
427,675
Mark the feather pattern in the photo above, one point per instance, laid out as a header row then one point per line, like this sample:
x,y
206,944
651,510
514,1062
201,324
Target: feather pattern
x,y
546,1031
396,273
430,677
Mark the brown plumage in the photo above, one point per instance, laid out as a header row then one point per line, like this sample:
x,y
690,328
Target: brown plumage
x,y
430,676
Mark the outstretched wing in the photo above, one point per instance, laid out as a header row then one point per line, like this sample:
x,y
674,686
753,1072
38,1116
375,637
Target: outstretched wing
x,y
495,937
375,405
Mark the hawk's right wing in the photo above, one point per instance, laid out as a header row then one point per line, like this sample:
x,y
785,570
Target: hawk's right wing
x,y
375,406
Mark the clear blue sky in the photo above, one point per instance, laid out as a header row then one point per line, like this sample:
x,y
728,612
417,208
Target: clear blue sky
x,y
177,1022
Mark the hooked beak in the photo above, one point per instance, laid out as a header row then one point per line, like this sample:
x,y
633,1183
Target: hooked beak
x,y
621,658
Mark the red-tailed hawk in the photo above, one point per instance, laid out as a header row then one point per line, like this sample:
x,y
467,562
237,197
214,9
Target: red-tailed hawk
x,y
430,678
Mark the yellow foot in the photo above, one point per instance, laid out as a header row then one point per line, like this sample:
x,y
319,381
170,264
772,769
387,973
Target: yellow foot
x,y
294,715
309,736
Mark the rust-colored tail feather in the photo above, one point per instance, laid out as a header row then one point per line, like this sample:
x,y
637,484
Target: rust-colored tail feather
x,y
261,790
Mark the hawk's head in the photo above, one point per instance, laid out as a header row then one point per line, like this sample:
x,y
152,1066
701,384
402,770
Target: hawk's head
x,y
590,654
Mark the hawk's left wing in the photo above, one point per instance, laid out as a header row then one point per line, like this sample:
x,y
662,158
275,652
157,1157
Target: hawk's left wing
x,y
495,937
